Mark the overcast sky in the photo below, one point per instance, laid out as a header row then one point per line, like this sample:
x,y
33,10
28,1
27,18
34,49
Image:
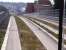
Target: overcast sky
x,y
25,1
52,1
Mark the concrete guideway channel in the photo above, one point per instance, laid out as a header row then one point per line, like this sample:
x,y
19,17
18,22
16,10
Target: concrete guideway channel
x,y
49,21
56,31
11,40
47,26
51,31
46,40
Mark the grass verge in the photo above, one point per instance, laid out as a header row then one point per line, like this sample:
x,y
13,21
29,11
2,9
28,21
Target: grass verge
x,y
2,34
28,40
3,28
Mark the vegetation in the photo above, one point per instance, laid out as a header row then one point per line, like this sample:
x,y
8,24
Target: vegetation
x,y
65,42
3,28
28,40
57,4
2,34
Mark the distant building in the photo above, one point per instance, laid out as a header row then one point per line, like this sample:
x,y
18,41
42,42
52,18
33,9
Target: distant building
x,y
38,6
30,8
45,2
42,5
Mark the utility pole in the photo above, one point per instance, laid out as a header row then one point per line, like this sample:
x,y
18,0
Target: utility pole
x,y
61,11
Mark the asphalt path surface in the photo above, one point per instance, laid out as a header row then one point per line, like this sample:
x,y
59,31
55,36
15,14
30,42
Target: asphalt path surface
x,y
13,41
